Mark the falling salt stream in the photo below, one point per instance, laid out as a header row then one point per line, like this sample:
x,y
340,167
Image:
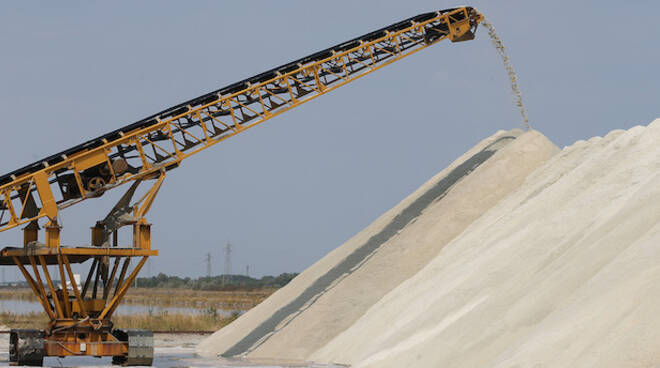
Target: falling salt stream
x,y
513,78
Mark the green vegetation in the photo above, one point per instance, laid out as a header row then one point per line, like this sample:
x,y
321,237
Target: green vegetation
x,y
200,299
217,283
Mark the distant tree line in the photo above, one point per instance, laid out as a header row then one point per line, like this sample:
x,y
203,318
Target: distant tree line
x,y
222,282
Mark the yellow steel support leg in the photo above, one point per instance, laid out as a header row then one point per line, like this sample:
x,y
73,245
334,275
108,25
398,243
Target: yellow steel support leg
x,y
65,291
35,269
74,286
124,268
108,286
110,308
56,300
89,277
99,270
37,289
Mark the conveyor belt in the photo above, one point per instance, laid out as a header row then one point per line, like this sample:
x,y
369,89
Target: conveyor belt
x,y
151,146
235,87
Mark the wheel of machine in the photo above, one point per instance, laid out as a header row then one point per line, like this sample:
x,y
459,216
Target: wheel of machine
x,y
95,183
26,347
140,347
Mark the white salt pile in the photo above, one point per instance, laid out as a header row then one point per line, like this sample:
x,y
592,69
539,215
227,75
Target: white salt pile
x,y
517,257
333,293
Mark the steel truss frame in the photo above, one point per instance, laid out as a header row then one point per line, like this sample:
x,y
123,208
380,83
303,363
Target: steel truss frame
x,y
159,143
80,315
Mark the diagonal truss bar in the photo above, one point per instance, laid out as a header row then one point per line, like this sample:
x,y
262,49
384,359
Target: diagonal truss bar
x,y
36,286
65,291
74,286
53,293
114,302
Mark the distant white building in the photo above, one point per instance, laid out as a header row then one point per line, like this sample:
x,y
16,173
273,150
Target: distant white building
x,y
68,283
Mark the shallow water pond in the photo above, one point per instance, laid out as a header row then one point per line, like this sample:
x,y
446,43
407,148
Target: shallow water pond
x,y
21,306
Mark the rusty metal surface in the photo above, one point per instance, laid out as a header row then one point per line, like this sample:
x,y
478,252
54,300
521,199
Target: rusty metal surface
x,y
72,348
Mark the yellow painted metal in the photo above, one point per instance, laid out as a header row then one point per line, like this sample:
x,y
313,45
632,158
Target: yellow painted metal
x,y
87,251
76,291
461,30
91,305
122,274
60,348
42,291
90,274
114,302
58,308
65,289
49,207
85,160
149,197
89,342
108,286
142,235
53,235
37,288
30,234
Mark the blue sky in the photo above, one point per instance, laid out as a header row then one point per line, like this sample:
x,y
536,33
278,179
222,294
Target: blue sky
x,y
289,191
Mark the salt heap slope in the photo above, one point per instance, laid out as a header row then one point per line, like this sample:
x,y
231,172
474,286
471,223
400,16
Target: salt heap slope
x,y
564,272
331,295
